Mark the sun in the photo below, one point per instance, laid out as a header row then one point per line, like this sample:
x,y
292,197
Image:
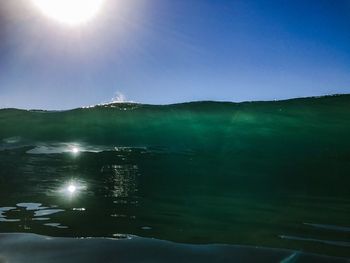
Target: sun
x,y
69,12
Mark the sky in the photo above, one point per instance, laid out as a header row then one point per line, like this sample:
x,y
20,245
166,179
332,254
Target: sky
x,y
171,51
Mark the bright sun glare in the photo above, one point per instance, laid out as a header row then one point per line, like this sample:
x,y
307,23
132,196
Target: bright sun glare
x,y
75,150
71,188
70,12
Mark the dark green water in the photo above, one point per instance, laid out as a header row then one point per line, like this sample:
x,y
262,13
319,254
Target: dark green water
x,y
270,174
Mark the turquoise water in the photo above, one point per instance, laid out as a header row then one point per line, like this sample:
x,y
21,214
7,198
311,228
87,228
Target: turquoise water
x,y
267,174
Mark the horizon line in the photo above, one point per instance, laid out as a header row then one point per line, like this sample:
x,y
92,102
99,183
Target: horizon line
x,y
178,103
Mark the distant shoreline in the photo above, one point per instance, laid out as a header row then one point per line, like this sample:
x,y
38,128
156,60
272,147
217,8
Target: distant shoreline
x,y
120,103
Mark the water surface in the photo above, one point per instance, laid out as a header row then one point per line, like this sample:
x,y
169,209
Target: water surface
x,y
267,174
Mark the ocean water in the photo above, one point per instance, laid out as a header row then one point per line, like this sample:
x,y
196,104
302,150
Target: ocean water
x,y
259,174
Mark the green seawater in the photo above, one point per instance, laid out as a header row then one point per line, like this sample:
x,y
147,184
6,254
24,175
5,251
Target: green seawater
x,y
268,174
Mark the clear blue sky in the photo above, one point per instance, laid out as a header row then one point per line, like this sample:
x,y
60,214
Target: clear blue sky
x,y
168,51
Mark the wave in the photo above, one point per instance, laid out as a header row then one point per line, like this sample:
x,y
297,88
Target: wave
x,y
222,126
273,174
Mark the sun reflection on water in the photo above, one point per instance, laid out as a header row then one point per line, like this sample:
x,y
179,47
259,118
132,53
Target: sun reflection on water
x,y
121,180
75,150
72,188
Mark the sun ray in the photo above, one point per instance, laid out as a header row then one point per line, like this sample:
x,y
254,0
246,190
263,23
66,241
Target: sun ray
x,y
70,12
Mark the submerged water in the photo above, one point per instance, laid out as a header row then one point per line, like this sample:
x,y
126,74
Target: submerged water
x,y
269,174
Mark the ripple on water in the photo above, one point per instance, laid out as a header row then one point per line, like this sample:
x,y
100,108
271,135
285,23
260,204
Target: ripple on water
x,y
12,140
61,148
40,219
329,227
323,241
47,212
31,206
3,218
56,225
80,209
37,209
